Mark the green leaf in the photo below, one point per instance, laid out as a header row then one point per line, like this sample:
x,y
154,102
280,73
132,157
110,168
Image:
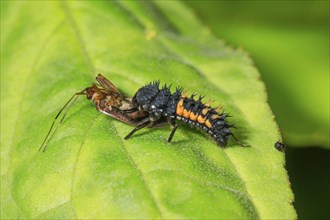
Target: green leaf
x,y
291,50
51,50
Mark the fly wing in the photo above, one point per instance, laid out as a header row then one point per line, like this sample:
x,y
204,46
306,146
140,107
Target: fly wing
x,y
108,86
131,118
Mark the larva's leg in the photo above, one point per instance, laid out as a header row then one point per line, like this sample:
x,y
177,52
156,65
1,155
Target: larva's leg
x,y
140,126
175,126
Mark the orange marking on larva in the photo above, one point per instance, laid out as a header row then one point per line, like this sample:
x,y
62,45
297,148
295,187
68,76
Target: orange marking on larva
x,y
209,102
208,123
186,113
218,108
192,116
200,119
185,94
205,110
179,110
215,116
180,103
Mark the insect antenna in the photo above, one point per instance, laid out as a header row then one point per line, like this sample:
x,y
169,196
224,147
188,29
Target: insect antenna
x,y
70,102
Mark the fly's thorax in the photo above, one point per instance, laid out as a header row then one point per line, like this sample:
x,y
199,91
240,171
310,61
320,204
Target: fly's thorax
x,y
113,101
126,103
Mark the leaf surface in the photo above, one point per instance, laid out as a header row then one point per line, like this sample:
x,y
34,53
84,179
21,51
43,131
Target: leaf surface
x,y
89,171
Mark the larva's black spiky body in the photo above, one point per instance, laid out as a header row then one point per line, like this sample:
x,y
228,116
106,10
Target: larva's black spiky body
x,y
164,106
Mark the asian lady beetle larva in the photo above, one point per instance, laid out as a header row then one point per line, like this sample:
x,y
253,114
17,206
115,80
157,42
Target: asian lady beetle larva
x,y
163,106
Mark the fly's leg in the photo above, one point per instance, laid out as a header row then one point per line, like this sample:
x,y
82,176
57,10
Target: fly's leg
x,y
143,124
175,126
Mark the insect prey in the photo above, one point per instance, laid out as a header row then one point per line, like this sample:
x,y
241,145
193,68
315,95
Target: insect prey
x,y
107,99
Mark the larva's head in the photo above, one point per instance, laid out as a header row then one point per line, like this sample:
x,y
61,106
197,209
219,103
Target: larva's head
x,y
221,130
221,136
146,94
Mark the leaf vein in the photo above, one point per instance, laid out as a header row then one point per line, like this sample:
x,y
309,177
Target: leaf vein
x,y
78,35
140,172
49,210
206,183
76,161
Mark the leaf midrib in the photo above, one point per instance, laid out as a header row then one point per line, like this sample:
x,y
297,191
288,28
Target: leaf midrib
x,y
91,66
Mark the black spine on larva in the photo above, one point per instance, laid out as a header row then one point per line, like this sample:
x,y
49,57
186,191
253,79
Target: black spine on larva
x,y
189,103
198,106
170,110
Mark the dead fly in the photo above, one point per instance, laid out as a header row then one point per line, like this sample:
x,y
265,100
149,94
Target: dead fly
x,y
107,99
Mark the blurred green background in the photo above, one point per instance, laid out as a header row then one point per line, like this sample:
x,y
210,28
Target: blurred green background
x,y
289,43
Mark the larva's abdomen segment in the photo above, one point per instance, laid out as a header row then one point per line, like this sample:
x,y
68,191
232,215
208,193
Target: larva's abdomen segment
x,y
194,115
179,108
